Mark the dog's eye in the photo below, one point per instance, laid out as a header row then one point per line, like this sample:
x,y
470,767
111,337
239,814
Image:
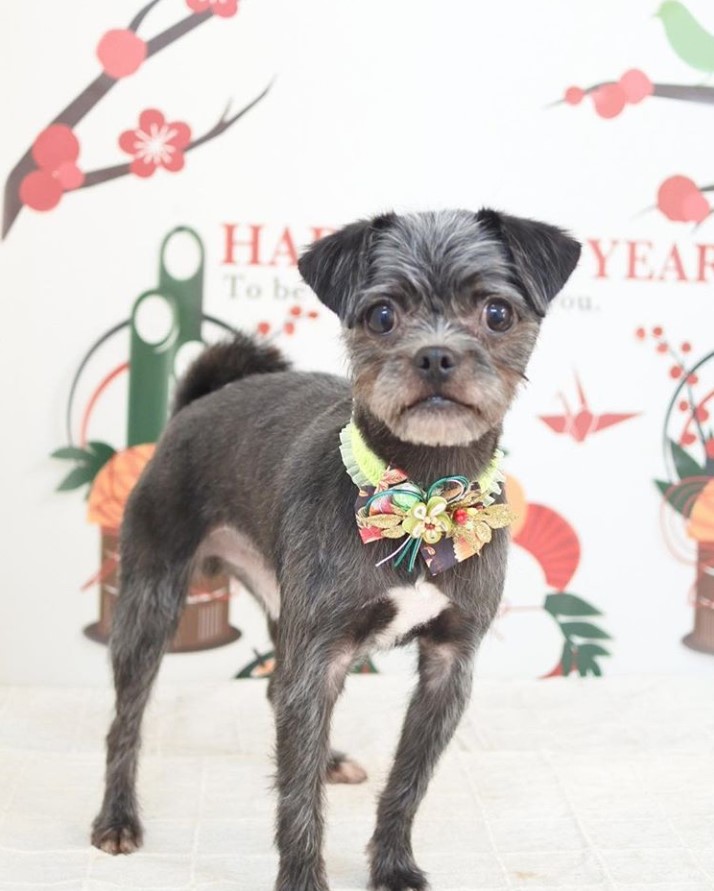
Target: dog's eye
x,y
380,318
499,315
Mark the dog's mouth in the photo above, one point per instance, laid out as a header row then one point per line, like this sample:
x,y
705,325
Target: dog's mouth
x,y
437,402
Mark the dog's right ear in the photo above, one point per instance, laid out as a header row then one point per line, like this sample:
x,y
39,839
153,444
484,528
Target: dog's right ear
x,y
336,265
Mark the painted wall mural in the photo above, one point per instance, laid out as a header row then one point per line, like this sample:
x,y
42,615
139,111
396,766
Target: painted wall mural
x,y
688,441
165,332
610,444
679,198
581,423
552,541
688,489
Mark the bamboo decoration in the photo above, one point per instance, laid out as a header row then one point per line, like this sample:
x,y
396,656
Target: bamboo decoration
x,y
688,489
155,327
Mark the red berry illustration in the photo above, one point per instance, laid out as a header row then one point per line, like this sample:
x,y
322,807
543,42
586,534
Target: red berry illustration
x,y
686,347
223,8
692,379
675,371
636,85
289,327
680,199
54,146
574,95
695,207
683,405
295,310
701,414
609,100
662,347
688,439
263,328
657,331
313,314
121,53
40,190
641,333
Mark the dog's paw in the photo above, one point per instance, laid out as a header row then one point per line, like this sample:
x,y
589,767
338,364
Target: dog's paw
x,y
119,836
345,770
401,880
394,869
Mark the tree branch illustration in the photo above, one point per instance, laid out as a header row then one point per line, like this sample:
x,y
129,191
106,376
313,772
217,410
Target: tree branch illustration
x,y
679,198
104,174
85,101
701,95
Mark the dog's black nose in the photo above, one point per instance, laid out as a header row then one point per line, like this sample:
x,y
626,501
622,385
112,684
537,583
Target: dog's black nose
x,y
435,363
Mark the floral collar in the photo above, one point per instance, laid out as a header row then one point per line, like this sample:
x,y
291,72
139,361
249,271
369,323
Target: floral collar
x,y
448,523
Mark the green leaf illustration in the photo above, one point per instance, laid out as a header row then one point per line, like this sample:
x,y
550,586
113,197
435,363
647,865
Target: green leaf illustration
x,y
77,477
70,452
569,605
583,629
566,661
685,465
590,650
588,666
90,461
681,496
102,452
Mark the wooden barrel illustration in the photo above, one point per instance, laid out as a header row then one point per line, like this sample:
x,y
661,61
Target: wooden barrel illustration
x,y
163,321
204,622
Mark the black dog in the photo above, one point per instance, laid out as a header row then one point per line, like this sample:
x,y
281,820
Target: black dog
x,y
362,514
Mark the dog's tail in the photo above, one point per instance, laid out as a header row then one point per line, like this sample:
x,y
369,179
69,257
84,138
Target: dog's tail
x,y
225,362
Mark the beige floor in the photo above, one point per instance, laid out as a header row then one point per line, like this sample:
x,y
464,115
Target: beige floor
x,y
601,784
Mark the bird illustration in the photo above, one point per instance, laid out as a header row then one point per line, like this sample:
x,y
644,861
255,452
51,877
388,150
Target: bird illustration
x,y
690,41
582,423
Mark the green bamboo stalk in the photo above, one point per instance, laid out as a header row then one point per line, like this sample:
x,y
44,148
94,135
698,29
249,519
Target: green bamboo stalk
x,y
155,329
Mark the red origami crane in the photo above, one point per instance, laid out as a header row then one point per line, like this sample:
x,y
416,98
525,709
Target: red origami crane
x,y
582,423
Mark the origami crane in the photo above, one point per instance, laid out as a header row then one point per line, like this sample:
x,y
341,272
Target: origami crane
x,y
582,423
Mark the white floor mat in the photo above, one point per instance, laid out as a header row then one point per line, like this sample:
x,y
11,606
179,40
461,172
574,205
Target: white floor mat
x,y
595,785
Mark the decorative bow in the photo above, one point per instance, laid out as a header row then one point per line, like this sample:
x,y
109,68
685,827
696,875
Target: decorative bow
x,y
446,524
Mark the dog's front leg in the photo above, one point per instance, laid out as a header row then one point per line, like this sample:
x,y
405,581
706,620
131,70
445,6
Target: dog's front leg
x,y
445,671
308,681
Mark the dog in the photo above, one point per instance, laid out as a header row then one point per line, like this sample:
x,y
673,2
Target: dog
x,y
361,514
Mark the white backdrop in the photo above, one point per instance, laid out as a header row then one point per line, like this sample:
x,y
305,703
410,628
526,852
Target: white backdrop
x,y
377,104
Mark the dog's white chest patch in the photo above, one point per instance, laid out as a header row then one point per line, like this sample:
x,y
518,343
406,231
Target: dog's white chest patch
x,y
416,605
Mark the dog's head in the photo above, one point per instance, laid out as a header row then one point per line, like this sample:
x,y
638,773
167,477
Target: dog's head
x,y
441,312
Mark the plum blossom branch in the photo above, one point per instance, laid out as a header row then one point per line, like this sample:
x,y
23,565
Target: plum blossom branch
x,y
104,174
678,197
702,95
94,92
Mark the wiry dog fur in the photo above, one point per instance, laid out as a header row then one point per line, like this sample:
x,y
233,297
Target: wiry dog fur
x,y
249,471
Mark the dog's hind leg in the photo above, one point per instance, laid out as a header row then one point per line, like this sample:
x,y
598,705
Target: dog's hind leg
x,y
445,670
147,613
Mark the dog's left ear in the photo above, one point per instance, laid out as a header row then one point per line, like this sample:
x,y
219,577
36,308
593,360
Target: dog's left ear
x,y
543,256
336,266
